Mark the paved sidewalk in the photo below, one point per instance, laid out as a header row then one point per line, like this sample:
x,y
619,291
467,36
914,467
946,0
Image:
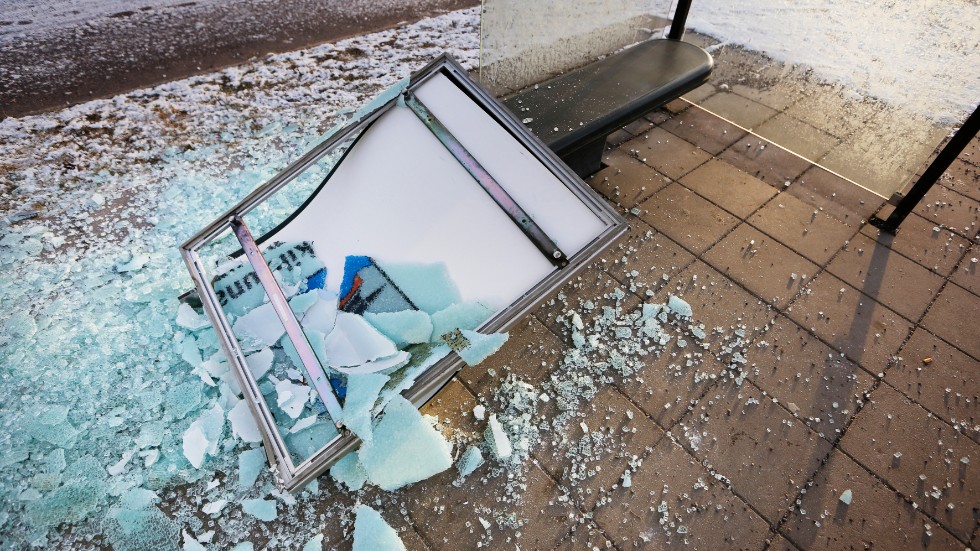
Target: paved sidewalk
x,y
862,374
863,371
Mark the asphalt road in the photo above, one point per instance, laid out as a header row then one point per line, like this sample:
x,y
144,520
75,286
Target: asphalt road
x,y
55,53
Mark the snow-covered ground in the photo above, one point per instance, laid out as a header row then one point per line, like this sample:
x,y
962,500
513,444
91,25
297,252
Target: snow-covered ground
x,y
921,55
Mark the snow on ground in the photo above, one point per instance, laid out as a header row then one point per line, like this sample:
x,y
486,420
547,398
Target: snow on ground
x,y
917,55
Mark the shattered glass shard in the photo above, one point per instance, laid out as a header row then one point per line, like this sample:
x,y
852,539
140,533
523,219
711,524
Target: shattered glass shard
x,y
405,448
372,533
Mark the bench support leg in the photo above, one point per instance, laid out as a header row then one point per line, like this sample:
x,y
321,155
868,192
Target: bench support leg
x,y
586,160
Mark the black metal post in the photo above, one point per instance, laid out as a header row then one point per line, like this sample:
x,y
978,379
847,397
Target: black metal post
x,y
956,145
679,21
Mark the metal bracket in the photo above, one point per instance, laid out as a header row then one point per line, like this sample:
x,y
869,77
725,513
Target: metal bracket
x,y
296,335
503,199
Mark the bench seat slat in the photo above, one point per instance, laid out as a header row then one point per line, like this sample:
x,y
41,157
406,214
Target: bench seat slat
x,y
593,101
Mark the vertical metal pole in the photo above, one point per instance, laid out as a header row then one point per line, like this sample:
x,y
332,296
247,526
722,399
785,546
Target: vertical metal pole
x,y
956,145
679,21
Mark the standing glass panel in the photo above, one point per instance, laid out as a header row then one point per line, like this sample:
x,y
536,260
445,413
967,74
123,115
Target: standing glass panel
x,y
865,89
523,43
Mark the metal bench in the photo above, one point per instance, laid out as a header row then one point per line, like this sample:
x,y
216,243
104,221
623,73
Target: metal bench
x,y
573,113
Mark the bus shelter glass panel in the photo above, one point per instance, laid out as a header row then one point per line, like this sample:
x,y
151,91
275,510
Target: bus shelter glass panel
x,y
865,89
524,43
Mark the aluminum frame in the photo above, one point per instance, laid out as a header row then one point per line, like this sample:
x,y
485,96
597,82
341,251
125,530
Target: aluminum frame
x,y
290,476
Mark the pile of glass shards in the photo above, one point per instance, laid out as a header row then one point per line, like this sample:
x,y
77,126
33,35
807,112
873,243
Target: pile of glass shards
x,y
373,266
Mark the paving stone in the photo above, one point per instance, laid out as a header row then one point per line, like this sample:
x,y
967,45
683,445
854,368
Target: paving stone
x,y
876,518
971,153
830,110
749,438
667,386
761,264
590,463
448,516
334,508
712,515
954,318
929,469
658,116
845,201
677,106
626,181
867,332
710,132
453,406
639,126
532,352
701,93
878,162
922,241
617,138
777,95
728,187
954,211
686,217
967,274
718,301
810,232
797,136
594,285
779,543
666,152
738,109
644,258
809,378
946,385
886,276
767,162
963,176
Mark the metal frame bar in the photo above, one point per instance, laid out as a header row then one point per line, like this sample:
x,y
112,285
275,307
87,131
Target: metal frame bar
x,y
931,175
500,196
314,370
292,477
678,23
